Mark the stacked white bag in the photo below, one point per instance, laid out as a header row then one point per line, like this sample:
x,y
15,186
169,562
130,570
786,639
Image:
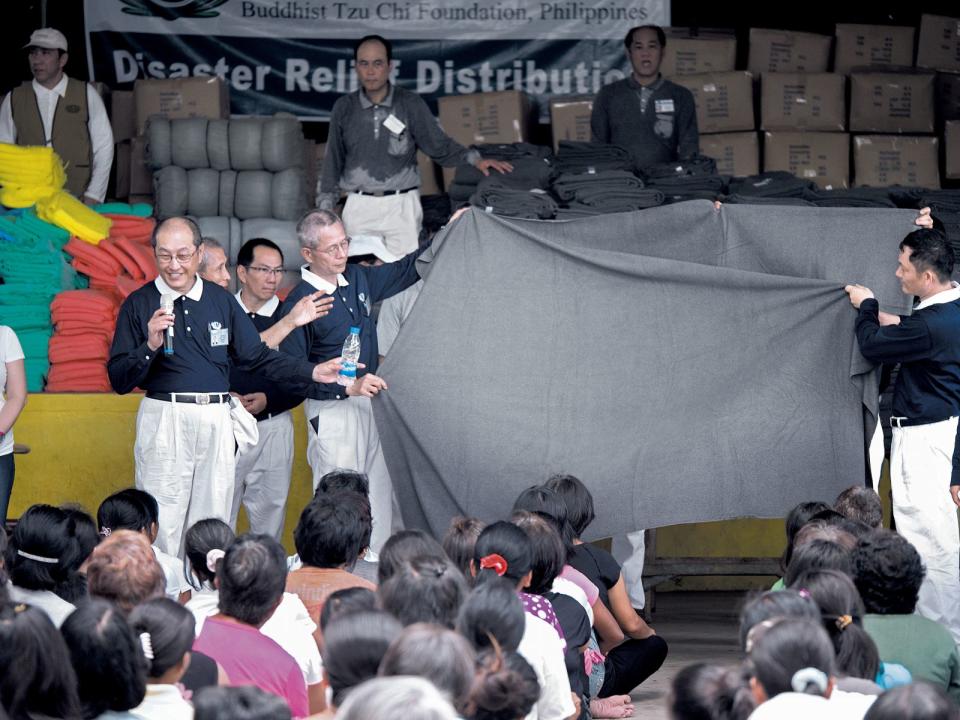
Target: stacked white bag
x,y
244,168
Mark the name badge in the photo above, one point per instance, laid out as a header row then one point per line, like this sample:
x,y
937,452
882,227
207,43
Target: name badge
x,y
663,106
219,336
394,124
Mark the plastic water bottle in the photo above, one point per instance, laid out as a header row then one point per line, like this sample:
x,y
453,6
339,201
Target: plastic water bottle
x,y
350,355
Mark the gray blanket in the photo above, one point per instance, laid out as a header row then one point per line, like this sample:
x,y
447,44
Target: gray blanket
x,y
688,364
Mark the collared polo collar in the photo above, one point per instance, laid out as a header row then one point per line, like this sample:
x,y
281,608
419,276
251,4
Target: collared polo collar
x,y
944,296
319,283
366,102
60,88
652,87
266,310
194,294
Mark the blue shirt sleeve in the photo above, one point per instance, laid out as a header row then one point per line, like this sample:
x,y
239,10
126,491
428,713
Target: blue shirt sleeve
x,y
130,356
906,342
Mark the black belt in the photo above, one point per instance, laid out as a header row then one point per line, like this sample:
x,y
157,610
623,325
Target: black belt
x,y
195,398
911,422
381,193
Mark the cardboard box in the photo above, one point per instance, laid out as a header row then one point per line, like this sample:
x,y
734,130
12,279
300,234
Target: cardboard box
x,y
823,157
121,170
122,117
782,51
429,184
947,96
939,45
141,179
883,160
207,97
737,154
724,100
495,117
570,119
891,102
951,141
803,101
860,46
693,55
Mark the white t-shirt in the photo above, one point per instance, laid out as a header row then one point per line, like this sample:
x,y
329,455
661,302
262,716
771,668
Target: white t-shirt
x,y
540,646
176,580
10,351
800,706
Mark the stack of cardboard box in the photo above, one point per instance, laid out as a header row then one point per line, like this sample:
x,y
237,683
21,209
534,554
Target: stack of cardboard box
x,y
179,98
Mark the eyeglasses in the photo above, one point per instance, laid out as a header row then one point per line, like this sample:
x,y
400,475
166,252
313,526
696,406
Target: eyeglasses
x,y
182,257
261,270
332,251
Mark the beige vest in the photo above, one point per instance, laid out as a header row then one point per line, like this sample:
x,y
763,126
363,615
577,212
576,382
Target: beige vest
x,y
71,136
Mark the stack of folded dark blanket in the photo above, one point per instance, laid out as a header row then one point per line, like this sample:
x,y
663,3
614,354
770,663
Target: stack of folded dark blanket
x,y
532,167
763,200
693,179
945,206
605,191
504,198
852,197
579,157
775,184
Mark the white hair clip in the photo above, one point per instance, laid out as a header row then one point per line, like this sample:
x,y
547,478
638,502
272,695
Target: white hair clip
x,y
147,644
212,557
804,677
38,558
105,531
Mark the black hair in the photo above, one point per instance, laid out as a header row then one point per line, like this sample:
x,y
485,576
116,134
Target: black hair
x,y
346,601
171,628
551,506
888,572
202,537
459,540
36,677
798,516
189,222
425,589
252,578
920,700
86,531
369,38
547,553
506,687
107,657
510,543
817,555
244,702
46,532
930,250
353,648
710,692
661,35
148,500
577,498
774,604
343,480
862,504
402,547
368,258
124,511
492,613
246,252
785,647
333,530
842,612
438,654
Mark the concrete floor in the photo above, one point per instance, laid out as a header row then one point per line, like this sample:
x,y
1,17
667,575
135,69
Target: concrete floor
x,y
698,627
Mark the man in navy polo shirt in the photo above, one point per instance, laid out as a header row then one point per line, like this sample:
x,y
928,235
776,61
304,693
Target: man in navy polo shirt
x,y
924,470
184,451
341,432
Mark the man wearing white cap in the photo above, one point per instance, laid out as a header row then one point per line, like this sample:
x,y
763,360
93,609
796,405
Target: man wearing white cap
x,y
68,114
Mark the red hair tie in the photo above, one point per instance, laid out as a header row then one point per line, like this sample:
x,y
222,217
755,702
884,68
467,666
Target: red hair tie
x,y
494,562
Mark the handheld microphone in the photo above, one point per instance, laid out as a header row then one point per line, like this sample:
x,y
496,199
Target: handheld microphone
x,y
166,303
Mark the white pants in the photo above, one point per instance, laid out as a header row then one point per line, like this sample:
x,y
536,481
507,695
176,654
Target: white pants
x,y
396,217
348,440
263,477
184,457
629,550
920,467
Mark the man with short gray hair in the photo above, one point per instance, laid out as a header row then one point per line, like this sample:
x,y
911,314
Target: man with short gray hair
x,y
213,263
342,432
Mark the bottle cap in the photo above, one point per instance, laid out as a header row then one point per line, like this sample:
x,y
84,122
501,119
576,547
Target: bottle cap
x,y
355,330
